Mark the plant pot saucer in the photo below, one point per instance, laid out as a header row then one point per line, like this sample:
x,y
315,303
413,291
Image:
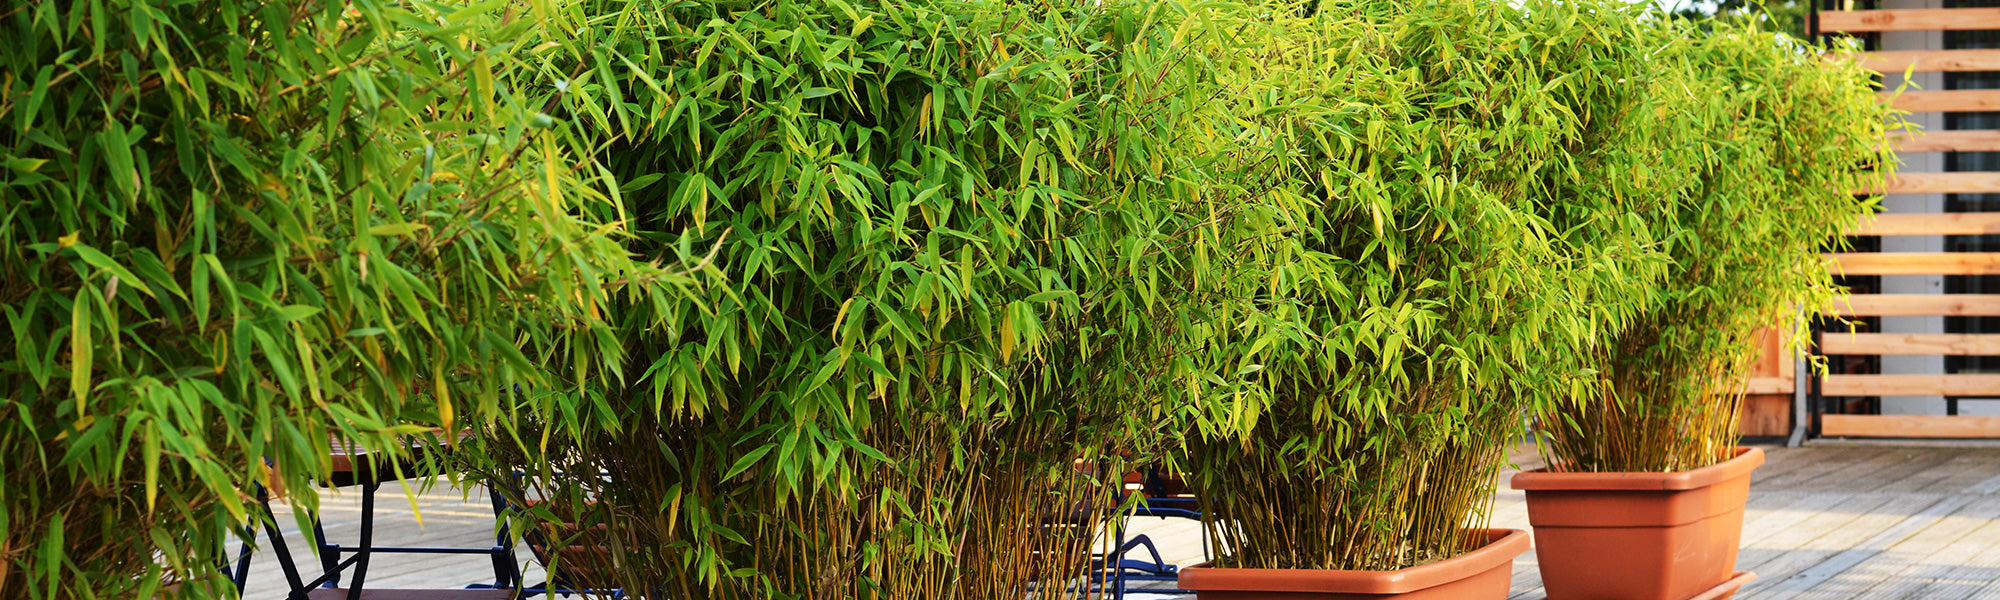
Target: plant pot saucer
x,y
1728,588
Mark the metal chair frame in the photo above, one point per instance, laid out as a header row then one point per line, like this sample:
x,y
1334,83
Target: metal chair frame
x,y
506,574
1117,571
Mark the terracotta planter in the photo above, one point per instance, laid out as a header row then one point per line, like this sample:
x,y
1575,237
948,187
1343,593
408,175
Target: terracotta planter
x,y
1482,574
1641,536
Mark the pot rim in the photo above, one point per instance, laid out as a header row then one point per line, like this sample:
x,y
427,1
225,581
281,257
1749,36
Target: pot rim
x,y
1502,546
1747,458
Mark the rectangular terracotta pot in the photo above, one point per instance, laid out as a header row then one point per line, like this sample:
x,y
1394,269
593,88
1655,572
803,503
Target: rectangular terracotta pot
x,y
1482,574
1640,536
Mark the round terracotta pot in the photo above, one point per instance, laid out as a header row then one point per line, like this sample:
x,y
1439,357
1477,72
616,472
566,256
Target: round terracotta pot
x,y
1482,574
1640,536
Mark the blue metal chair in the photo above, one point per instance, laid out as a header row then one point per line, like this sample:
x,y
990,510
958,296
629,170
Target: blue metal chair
x,y
1162,497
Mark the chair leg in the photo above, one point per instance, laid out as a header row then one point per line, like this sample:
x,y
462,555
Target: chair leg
x,y
278,547
1118,572
367,546
329,553
506,574
239,574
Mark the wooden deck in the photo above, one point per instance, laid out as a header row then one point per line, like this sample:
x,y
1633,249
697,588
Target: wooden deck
x,y
1824,522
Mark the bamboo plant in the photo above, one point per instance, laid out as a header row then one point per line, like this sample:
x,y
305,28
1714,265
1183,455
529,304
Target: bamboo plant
x,y
947,249
1454,242
230,230
1765,150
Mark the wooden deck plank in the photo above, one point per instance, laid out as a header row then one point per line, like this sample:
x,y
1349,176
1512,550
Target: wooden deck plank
x,y
1992,590
1820,534
1837,460
1962,471
1850,519
1760,526
1957,571
1785,570
1858,478
1967,467
1871,569
1779,461
1913,463
1910,566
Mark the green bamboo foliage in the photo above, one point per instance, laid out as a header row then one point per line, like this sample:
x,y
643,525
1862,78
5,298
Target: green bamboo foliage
x,y
879,299
1469,218
948,248
1762,144
230,230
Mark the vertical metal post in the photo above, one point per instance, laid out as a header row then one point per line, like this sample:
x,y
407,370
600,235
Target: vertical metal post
x,y
505,574
1817,401
367,538
240,572
1802,377
329,553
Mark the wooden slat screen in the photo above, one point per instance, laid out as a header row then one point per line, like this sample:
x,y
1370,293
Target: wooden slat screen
x,y
1928,60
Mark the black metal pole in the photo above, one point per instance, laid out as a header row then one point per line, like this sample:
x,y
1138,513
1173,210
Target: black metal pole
x,y
367,545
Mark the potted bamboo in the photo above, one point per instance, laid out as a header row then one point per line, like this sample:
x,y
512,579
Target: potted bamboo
x,y
1644,493
1425,296
943,254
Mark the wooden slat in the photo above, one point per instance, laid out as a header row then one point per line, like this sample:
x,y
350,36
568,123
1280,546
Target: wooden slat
x,y
1966,140
1969,182
1916,263
1930,19
1951,344
1909,426
1769,385
1910,385
1919,305
1929,224
1930,61
1945,101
